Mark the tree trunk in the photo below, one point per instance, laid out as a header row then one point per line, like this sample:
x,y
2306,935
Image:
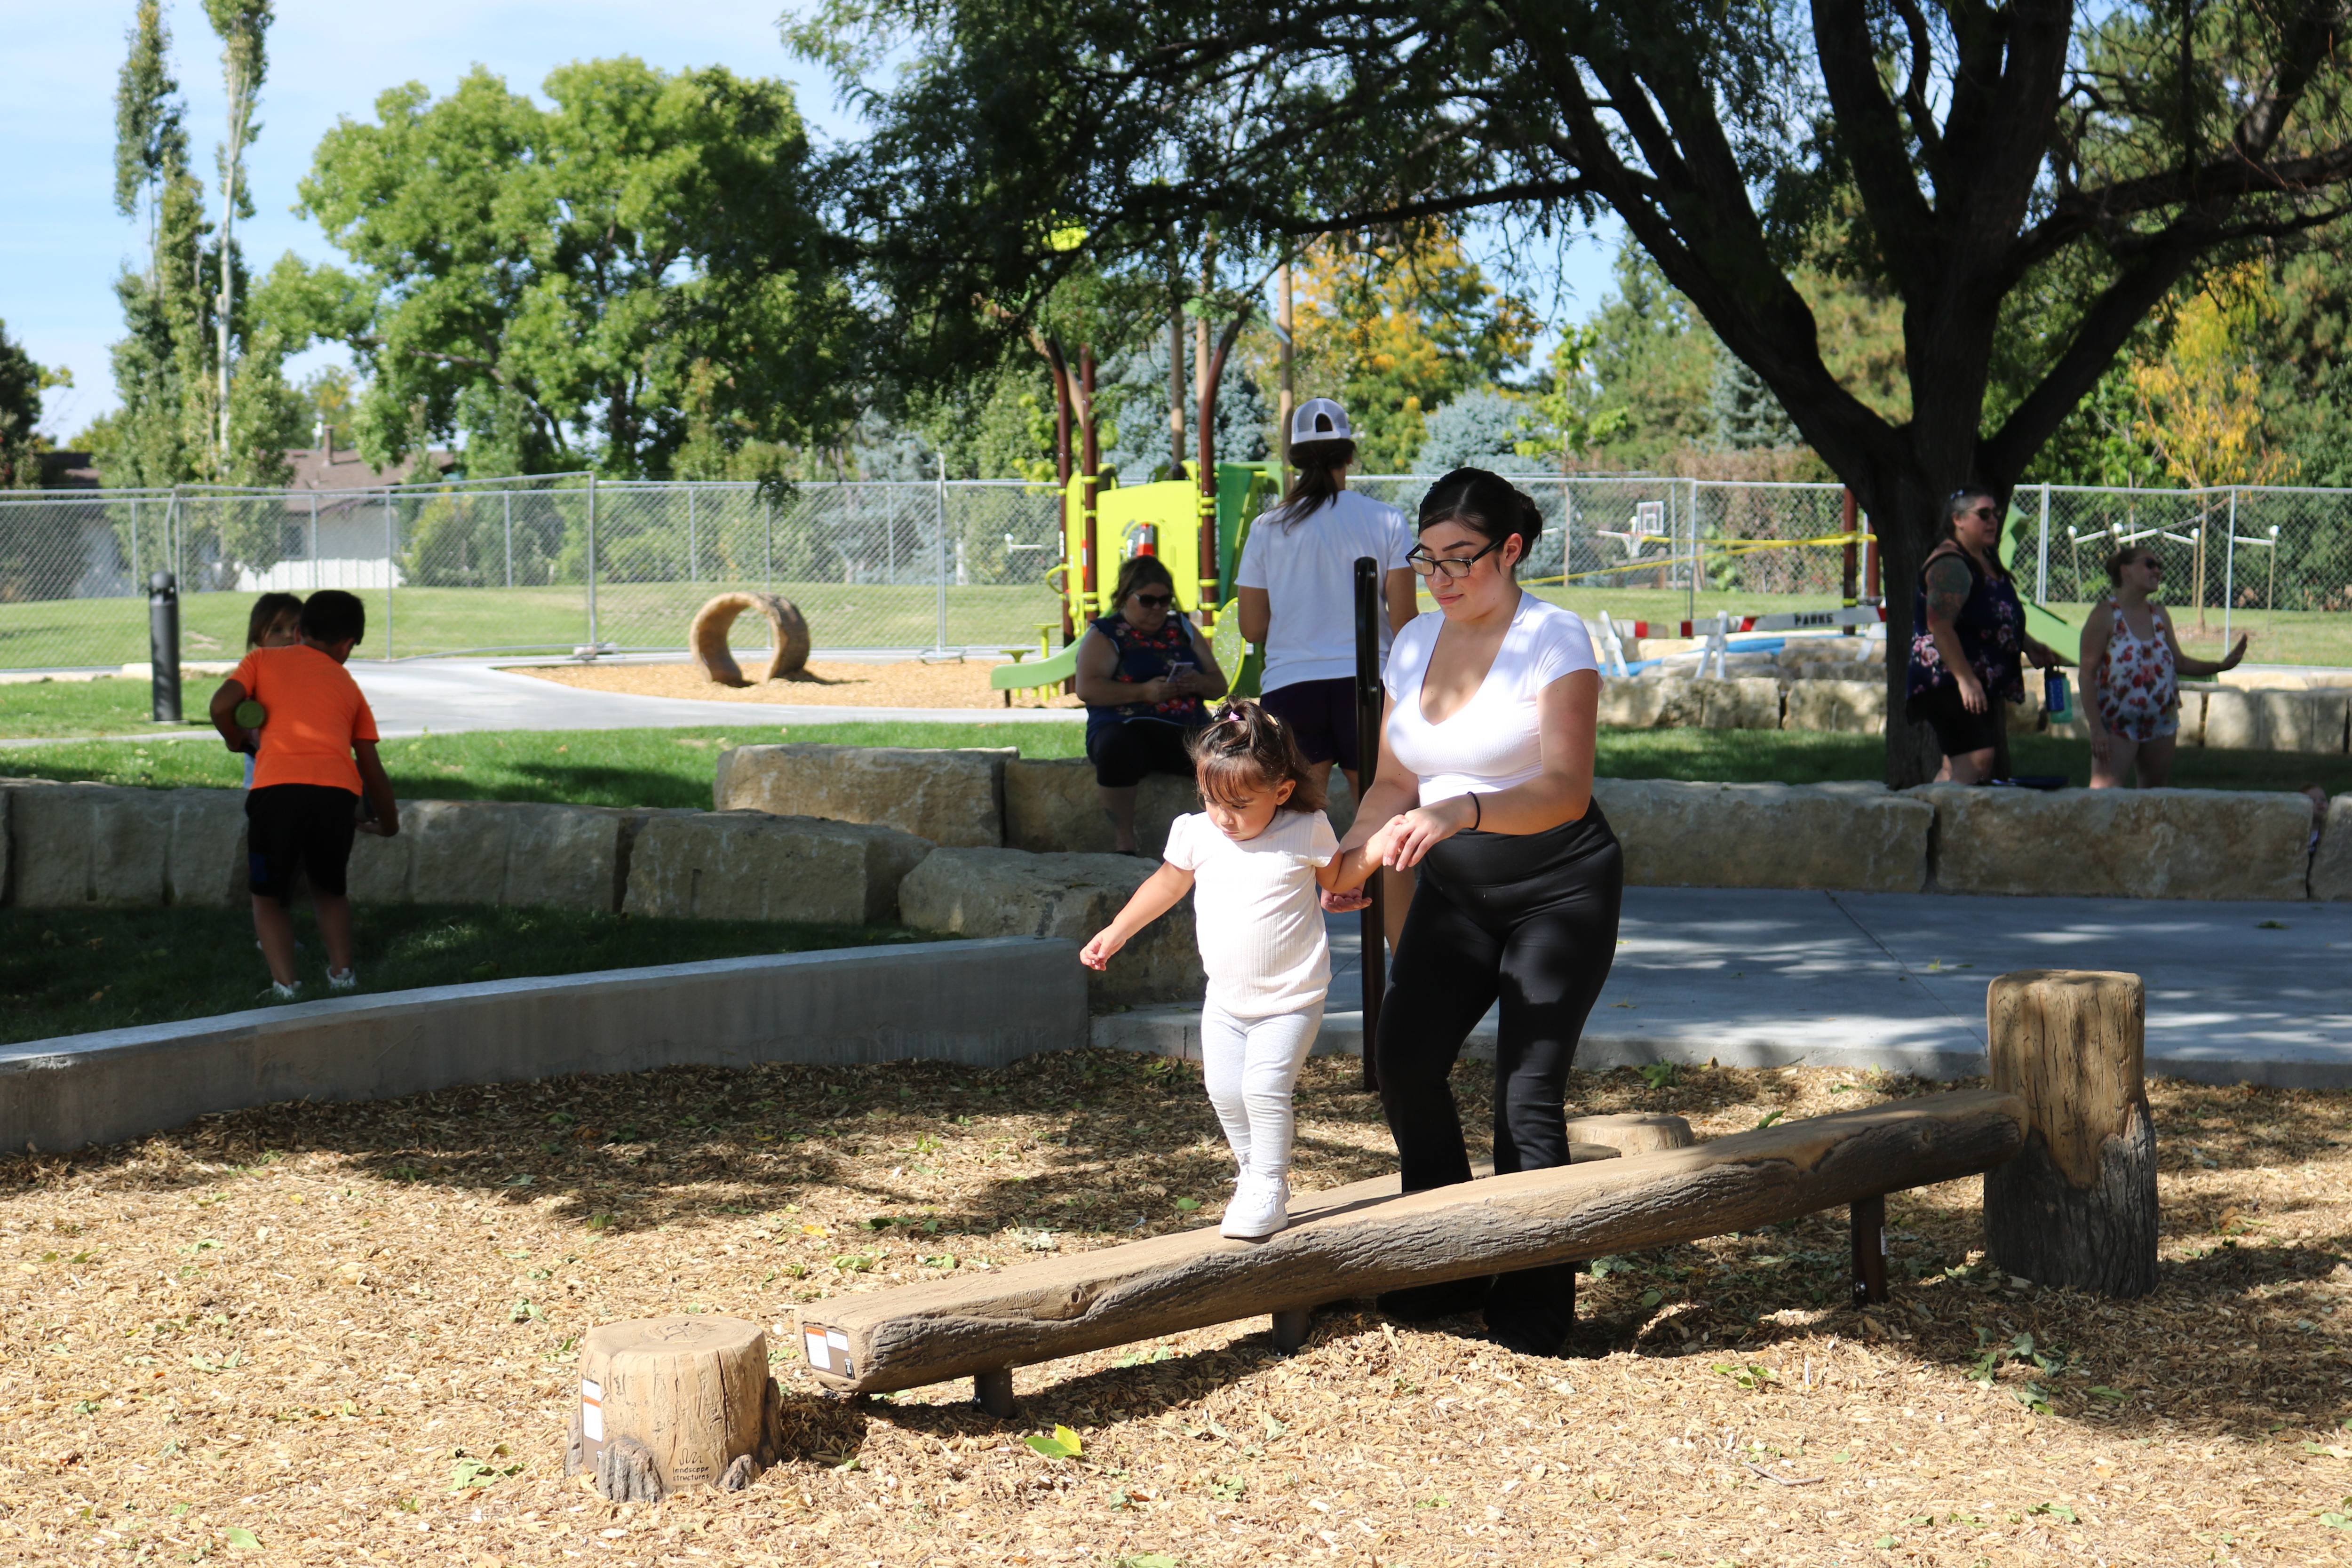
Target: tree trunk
x,y
2078,1208
1905,511
671,1403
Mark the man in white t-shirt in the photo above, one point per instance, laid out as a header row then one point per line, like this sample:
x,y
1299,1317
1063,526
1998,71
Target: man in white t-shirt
x,y
1297,582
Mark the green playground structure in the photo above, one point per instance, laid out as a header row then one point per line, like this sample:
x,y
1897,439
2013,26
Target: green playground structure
x,y
1103,521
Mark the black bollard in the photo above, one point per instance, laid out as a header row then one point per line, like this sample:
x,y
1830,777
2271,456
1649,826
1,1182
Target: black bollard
x,y
163,644
1368,695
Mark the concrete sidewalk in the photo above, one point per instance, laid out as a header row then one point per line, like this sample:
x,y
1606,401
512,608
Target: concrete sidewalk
x,y
2236,992
451,696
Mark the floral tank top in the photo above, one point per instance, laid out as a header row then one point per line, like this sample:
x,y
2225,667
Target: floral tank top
x,y
1142,659
2138,679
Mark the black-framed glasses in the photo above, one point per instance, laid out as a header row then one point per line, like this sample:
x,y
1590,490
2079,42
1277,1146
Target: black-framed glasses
x,y
1453,568
1155,601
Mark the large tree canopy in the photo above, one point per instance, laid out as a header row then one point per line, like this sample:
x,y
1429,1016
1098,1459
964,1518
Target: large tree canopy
x,y
591,284
2029,179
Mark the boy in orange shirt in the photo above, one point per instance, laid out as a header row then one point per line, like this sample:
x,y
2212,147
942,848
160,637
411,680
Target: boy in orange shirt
x,y
307,781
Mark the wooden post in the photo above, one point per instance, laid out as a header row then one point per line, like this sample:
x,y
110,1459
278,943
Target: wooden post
x,y
671,1403
1290,1328
2077,1207
1869,1216
994,1389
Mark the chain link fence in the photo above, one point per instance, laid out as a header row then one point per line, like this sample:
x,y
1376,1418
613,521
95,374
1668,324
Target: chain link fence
x,y
555,564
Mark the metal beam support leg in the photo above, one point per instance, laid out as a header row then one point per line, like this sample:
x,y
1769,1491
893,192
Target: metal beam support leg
x,y
994,1389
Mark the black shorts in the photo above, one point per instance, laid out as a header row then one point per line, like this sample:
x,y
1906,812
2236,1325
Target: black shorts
x,y
1957,730
1124,753
308,827
1322,716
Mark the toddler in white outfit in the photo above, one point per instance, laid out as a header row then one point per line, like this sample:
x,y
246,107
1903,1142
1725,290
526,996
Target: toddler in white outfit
x,y
1256,861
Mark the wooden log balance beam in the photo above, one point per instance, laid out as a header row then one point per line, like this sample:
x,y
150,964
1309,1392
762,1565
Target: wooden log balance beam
x,y
1361,1240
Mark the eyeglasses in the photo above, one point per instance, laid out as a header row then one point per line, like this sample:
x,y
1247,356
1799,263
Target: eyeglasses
x,y
1453,568
1155,601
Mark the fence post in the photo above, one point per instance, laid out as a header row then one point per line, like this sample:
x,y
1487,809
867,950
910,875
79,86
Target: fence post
x,y
693,544
134,539
390,518
2042,557
2229,567
768,548
592,564
941,638
1690,584
507,499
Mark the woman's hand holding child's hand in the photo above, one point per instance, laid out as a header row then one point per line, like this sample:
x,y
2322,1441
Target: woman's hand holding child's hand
x,y
1096,953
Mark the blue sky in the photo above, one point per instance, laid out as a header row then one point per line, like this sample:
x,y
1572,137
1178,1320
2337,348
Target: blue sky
x,y
62,243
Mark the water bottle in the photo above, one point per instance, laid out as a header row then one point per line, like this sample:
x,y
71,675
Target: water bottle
x,y
2056,701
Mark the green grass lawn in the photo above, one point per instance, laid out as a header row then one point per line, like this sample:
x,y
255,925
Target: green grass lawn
x,y
673,767
419,621
66,972
116,706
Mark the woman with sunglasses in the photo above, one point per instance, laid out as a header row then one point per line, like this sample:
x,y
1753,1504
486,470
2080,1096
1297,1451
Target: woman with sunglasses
x,y
1492,703
1968,641
2133,662
1143,670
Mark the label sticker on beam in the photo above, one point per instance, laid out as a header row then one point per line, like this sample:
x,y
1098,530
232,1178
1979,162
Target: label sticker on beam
x,y
591,1411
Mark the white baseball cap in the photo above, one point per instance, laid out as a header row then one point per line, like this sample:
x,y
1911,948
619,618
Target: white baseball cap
x,y
1320,420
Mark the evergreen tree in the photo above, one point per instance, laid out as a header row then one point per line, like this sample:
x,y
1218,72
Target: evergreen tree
x,y
1478,431
1134,392
1747,417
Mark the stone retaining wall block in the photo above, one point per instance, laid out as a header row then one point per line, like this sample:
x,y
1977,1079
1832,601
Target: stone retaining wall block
x,y
2119,843
1051,807
1742,702
2331,868
748,864
1768,836
1837,707
1012,892
953,798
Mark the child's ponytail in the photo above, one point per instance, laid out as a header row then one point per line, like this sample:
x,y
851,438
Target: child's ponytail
x,y
1246,750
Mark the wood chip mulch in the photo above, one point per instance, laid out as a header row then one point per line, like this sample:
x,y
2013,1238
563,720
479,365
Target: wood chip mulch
x,y
904,683
348,1334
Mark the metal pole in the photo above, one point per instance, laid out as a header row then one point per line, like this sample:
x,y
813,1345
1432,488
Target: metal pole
x,y
388,525
314,542
163,646
591,564
2229,567
1690,585
1373,927
768,550
507,498
941,639
693,543
2042,556
134,539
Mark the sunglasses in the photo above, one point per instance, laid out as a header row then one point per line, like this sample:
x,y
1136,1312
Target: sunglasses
x,y
1155,601
1980,511
1453,567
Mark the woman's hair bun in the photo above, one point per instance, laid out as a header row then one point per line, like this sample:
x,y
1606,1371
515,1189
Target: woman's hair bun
x,y
1486,503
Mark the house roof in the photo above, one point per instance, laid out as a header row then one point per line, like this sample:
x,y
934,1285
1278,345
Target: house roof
x,y
330,468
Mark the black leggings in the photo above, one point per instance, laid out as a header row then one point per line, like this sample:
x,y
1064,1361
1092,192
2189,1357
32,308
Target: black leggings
x,y
1529,921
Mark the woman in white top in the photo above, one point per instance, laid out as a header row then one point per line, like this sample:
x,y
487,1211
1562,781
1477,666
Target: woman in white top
x,y
1492,705
1296,583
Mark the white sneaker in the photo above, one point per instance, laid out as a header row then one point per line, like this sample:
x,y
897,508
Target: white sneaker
x,y
342,980
1260,1208
284,992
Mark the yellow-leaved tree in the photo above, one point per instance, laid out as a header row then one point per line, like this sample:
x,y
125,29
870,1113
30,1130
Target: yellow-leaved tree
x,y
2200,403
1394,331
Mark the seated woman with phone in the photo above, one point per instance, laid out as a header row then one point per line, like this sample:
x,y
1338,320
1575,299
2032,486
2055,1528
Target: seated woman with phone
x,y
1146,675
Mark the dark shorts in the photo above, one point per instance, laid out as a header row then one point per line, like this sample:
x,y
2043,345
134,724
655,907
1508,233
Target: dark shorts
x,y
1957,730
304,826
1322,715
1124,753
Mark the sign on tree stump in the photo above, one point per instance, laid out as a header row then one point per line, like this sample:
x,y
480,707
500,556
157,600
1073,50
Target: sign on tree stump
x,y
671,1403
2077,1207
